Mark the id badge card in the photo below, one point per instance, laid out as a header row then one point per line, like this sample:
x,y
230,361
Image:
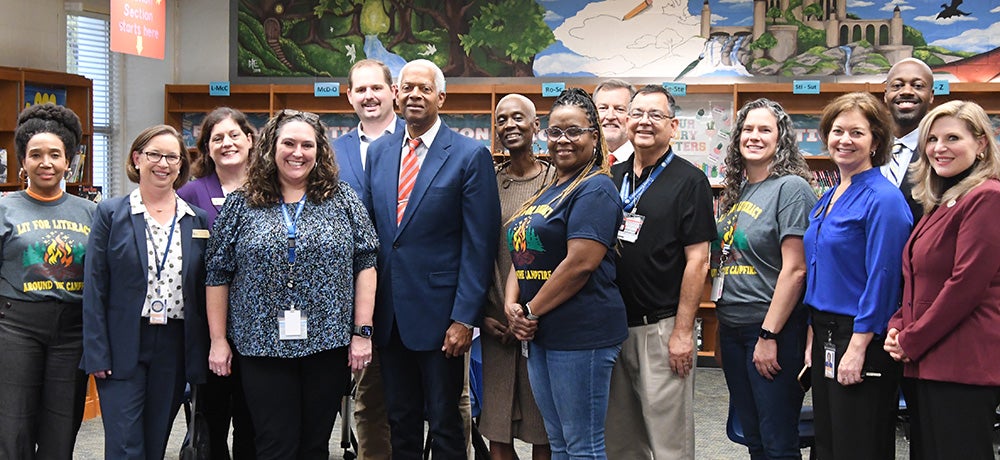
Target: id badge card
x,y
218,201
717,282
292,325
829,360
524,349
631,224
157,312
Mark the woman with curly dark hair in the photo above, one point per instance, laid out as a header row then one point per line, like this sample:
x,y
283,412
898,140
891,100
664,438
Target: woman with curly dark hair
x,y
291,267
759,272
41,286
561,297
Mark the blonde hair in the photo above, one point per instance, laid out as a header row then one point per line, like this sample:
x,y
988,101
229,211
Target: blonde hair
x,y
929,188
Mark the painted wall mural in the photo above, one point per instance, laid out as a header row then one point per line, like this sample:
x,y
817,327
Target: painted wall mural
x,y
683,40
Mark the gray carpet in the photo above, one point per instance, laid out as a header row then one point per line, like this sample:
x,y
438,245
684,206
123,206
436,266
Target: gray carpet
x,y
711,443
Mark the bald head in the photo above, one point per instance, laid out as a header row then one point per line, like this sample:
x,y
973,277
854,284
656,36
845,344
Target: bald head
x,y
529,107
908,94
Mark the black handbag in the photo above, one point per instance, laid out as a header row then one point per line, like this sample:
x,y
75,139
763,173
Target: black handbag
x,y
196,445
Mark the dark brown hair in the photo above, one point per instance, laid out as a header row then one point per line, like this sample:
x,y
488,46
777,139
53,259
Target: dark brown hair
x,y
48,118
879,122
264,188
143,139
204,165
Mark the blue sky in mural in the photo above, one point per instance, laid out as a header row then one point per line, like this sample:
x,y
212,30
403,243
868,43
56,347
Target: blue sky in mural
x,y
977,32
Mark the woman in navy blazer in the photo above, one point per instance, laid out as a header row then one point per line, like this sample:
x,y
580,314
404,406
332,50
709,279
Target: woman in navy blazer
x,y
144,327
948,329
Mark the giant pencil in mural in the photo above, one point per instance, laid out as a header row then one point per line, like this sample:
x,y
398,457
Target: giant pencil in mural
x,y
728,40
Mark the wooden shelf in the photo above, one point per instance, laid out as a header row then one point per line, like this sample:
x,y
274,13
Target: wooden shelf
x,y
79,98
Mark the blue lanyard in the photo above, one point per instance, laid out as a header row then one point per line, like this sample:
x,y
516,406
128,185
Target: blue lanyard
x,y
160,264
290,225
629,201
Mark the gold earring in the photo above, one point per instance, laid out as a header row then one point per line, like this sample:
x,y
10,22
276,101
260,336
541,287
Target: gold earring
x,y
981,155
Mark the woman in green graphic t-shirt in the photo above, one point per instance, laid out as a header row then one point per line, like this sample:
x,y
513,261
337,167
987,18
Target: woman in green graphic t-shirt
x,y
43,239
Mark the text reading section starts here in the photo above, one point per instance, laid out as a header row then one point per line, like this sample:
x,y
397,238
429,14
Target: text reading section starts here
x,y
139,27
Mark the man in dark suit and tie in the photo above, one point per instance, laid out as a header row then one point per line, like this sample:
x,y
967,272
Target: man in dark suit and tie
x,y
433,197
371,92
909,93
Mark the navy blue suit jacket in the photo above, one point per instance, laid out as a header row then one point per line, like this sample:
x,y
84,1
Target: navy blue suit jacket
x,y
347,149
436,265
115,290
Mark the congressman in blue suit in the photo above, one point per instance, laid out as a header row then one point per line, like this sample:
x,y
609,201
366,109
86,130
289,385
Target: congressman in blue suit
x,y
433,198
371,92
144,326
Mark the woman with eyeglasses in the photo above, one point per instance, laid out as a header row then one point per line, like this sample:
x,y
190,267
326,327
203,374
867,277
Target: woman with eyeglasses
x,y
43,391
291,269
561,298
224,145
144,328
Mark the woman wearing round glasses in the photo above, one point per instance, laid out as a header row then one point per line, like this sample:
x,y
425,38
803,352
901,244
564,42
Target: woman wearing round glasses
x,y
144,328
561,297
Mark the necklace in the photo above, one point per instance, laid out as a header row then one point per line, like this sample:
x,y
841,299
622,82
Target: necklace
x,y
543,167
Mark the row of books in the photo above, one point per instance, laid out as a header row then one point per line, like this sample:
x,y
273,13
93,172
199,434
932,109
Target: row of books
x,y
823,180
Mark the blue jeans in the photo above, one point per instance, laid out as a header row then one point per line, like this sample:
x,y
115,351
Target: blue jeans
x,y
768,410
571,389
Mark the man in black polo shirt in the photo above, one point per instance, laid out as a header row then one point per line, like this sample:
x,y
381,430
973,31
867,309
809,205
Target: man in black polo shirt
x,y
661,272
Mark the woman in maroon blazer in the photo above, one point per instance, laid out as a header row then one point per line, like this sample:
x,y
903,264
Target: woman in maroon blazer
x,y
948,329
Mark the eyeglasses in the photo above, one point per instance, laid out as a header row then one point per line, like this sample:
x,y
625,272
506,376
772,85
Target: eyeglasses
x,y
572,133
155,157
654,115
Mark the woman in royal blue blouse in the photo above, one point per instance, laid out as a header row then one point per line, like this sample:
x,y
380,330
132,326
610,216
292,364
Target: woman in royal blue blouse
x,y
292,267
853,251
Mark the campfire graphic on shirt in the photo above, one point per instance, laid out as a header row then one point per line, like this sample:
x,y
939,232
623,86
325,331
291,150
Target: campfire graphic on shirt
x,y
56,257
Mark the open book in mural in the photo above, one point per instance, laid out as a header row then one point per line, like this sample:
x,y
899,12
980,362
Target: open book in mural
x,y
683,40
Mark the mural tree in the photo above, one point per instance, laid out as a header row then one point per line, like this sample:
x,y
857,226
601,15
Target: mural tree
x,y
510,32
812,11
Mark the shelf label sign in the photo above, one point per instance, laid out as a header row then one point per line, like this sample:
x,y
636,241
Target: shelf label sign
x,y
942,87
218,88
139,27
805,87
676,89
552,89
326,89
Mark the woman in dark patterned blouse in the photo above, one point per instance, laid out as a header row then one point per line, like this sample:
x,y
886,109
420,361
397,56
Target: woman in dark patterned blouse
x,y
291,266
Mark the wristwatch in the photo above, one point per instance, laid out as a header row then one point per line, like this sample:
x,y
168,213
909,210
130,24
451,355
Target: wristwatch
x,y
526,309
363,331
767,335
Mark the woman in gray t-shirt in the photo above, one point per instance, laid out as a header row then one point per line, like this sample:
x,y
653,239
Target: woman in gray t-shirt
x,y
758,273
43,239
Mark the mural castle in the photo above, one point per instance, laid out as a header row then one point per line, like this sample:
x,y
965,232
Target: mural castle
x,y
838,45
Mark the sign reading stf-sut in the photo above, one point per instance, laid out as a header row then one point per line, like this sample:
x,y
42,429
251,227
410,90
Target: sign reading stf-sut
x,y
139,27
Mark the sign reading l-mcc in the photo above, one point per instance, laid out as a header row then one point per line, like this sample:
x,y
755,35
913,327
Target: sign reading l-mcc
x,y
139,27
